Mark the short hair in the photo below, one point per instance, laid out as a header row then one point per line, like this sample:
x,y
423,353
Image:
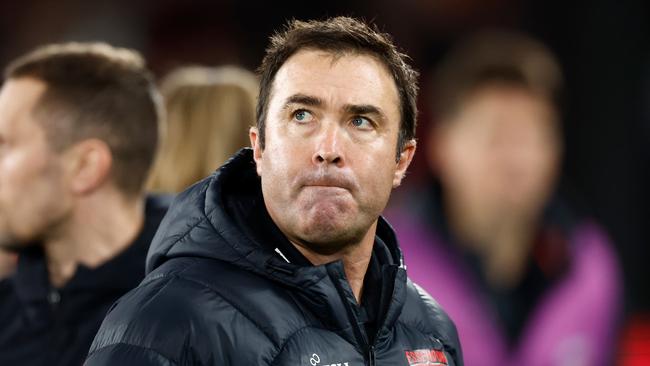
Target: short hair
x,y
495,57
211,107
340,35
94,90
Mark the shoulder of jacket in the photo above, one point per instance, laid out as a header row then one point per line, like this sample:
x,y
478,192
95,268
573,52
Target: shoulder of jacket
x,y
424,313
264,302
196,301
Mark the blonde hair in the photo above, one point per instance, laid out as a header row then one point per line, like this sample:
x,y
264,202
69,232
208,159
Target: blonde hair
x,y
209,111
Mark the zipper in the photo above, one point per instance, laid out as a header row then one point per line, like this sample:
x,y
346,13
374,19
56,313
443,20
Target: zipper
x,y
360,332
371,356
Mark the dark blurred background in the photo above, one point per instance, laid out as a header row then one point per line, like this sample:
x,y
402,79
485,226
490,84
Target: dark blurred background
x,y
603,45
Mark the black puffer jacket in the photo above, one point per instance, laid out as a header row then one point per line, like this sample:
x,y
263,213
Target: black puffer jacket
x,y
215,295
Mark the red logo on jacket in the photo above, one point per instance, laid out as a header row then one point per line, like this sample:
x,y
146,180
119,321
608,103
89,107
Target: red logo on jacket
x,y
426,357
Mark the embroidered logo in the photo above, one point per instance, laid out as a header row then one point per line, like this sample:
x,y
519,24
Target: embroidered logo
x,y
426,357
315,360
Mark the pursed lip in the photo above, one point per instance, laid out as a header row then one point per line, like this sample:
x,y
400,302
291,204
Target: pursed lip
x,y
331,188
328,182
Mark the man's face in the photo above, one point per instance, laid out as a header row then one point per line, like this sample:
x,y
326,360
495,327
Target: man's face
x,y
328,165
32,195
501,153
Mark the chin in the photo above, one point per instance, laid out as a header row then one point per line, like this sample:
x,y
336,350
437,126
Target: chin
x,y
331,237
325,221
12,245
323,230
326,246
10,241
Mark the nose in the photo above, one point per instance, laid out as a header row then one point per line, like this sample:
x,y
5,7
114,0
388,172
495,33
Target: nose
x,y
328,148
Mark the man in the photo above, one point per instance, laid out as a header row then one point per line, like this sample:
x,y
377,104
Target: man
x,y
281,257
525,279
78,133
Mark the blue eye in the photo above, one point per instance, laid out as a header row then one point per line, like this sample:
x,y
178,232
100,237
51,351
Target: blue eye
x,y
302,116
362,123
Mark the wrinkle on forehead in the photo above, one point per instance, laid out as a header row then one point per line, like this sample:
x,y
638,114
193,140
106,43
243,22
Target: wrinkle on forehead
x,y
301,75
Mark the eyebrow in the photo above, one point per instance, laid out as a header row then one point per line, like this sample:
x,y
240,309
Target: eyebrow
x,y
303,99
364,109
313,101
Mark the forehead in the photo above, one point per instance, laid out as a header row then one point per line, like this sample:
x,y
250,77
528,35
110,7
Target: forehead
x,y
338,79
508,106
18,98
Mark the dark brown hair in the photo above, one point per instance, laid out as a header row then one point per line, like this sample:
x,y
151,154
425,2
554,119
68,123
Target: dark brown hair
x,y
94,90
495,57
340,35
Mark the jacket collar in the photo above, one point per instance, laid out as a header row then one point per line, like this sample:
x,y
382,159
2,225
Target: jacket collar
x,y
121,273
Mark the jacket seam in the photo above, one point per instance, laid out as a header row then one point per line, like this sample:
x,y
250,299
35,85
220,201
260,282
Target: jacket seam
x,y
290,337
170,276
419,328
249,318
446,343
280,344
204,217
133,345
445,322
186,233
424,330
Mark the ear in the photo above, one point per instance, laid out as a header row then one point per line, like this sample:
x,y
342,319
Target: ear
x,y
405,158
88,165
253,134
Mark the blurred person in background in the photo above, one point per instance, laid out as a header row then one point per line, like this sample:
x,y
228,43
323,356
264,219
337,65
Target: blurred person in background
x,y
78,134
7,263
209,111
526,281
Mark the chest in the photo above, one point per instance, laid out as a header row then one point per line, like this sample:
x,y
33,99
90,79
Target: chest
x,y
55,331
403,346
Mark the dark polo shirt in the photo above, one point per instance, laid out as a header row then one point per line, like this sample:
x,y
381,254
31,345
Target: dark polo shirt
x,y
42,325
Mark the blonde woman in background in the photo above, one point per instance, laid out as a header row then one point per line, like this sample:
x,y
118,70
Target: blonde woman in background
x,y
209,111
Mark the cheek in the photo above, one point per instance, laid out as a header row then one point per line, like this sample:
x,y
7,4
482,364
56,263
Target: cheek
x,y
284,155
30,202
465,162
19,172
375,172
28,176
276,161
541,170
278,169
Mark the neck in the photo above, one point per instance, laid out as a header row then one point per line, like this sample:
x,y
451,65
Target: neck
x,y
100,227
502,240
355,258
